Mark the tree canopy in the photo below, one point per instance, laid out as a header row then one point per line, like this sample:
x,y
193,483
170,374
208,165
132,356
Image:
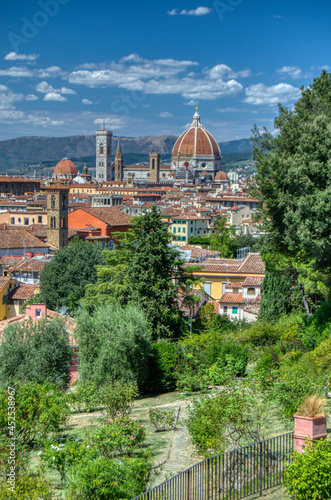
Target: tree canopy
x,y
294,179
146,270
63,280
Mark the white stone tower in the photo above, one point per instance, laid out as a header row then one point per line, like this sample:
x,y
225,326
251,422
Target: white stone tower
x,y
103,155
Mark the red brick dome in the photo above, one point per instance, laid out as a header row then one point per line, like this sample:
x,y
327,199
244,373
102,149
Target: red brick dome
x,y
65,167
221,176
196,140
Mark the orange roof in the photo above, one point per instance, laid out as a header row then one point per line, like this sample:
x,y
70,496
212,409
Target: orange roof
x,y
231,298
65,167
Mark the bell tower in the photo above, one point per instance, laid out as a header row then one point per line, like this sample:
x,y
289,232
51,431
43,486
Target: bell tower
x,y
154,168
103,155
57,215
118,163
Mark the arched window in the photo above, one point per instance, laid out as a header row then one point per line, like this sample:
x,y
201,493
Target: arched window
x,y
52,202
53,223
63,202
101,149
250,291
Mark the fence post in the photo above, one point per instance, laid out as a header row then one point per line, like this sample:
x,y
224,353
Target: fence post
x,y
188,485
260,468
208,479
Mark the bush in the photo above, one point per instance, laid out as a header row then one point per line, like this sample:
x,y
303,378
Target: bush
x,y
40,409
162,420
28,487
102,479
62,456
163,367
308,477
120,435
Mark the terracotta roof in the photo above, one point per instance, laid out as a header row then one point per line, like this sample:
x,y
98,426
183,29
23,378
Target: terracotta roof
x,y
3,281
110,215
19,238
251,281
221,176
231,298
23,291
252,264
233,286
196,141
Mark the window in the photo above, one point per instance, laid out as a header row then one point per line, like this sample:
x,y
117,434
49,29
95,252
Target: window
x,y
101,149
19,220
225,309
64,202
38,313
174,229
52,202
32,220
53,223
153,164
250,291
179,229
12,220
191,229
26,221
206,287
184,229
234,310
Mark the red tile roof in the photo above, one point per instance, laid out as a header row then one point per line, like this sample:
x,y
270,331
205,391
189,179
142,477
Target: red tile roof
x,y
23,291
231,298
19,238
252,281
110,215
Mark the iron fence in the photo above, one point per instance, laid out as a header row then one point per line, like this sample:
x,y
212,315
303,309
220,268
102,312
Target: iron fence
x,y
232,475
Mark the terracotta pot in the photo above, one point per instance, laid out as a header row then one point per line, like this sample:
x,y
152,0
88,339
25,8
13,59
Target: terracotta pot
x,y
313,428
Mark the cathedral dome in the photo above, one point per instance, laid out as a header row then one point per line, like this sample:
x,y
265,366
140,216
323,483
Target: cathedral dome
x,y
221,176
196,141
65,167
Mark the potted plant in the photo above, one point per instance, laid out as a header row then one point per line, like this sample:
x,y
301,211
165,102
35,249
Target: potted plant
x,y
309,422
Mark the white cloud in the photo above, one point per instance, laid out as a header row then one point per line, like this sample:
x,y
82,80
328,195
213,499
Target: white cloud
x,y
166,114
7,98
277,17
24,72
14,116
86,101
199,11
163,76
112,122
261,94
292,71
31,97
45,88
54,96
12,56
191,103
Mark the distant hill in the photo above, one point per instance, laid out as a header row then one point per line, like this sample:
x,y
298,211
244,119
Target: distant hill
x,y
25,154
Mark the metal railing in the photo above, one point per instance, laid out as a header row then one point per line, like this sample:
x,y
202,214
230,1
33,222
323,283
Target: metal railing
x,y
232,475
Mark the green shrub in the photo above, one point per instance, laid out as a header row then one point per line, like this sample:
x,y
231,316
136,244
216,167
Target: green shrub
x,y
163,367
308,477
120,435
41,409
103,479
27,487
161,419
62,456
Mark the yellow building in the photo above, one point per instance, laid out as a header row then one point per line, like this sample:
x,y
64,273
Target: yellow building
x,y
5,282
217,273
183,227
13,295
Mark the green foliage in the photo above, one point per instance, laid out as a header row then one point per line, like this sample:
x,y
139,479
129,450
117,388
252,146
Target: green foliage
x,y
204,241
62,456
28,487
146,270
229,418
40,409
37,352
293,382
164,356
64,279
318,327
308,477
223,238
161,419
276,297
114,344
293,181
120,435
102,479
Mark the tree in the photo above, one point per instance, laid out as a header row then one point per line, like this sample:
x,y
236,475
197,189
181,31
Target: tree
x,y
294,179
223,238
37,352
63,280
276,297
114,344
146,270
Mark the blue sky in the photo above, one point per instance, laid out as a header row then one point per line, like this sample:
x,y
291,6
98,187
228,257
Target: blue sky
x,y
67,65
